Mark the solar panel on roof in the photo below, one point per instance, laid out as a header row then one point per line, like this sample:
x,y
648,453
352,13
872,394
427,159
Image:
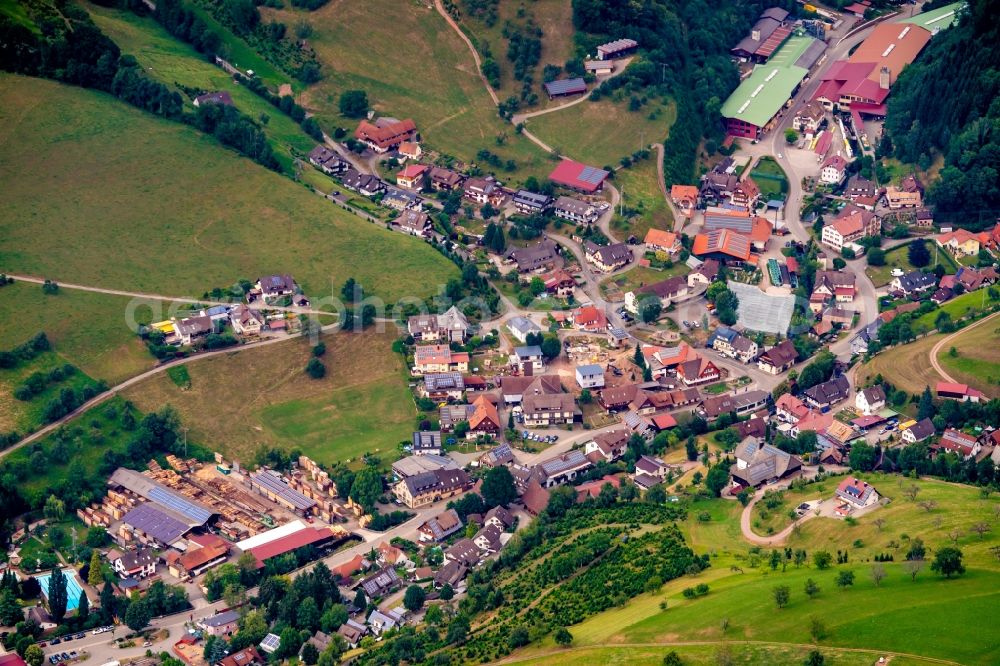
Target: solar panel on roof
x,y
182,506
593,175
154,522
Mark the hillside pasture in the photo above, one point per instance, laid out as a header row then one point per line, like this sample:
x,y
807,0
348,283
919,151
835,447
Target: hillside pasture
x,y
906,367
977,358
262,397
601,133
640,186
99,193
412,66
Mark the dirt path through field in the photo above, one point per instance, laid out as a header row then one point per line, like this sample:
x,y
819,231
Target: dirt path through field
x,y
943,341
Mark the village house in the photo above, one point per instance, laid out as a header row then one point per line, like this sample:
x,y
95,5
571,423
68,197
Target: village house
x,y
450,416
409,150
429,487
590,376
441,526
832,170
427,442
246,322
499,456
220,624
352,632
513,389
608,446
542,254
565,87
575,210
398,199
839,286
272,288
658,240
608,258
825,395
724,245
363,183
896,198
445,180
684,197
452,326
561,469
135,563
249,656
542,408
487,539
914,283
521,327
698,371
857,493
589,319
790,409
485,420
740,403
962,243
191,328
957,442
464,552
666,291
380,622
870,400
559,283
808,118
746,194
528,360
779,358
438,358
718,184
859,187
758,463
531,203
380,583
865,336
327,161
413,176
385,134
484,191
851,225
414,223
733,344
704,275
918,432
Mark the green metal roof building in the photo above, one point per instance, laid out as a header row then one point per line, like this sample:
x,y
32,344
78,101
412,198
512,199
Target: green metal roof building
x,y
762,94
937,19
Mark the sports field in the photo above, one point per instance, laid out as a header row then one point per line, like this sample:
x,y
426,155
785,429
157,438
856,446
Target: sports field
x,y
770,178
601,133
262,397
99,193
412,65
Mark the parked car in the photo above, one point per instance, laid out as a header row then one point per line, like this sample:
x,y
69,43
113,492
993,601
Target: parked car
x,y
56,641
80,635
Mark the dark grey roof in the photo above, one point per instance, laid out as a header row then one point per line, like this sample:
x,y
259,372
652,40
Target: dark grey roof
x,y
426,439
922,429
271,482
444,381
162,525
830,391
532,198
194,512
379,582
566,86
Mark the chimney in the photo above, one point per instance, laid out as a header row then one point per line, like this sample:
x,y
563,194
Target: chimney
x,y
883,78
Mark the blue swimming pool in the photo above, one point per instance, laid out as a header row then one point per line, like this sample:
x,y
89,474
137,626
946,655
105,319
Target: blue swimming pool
x,y
72,588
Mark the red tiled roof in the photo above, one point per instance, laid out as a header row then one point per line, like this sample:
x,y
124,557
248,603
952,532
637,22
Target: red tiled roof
x,y
304,537
578,176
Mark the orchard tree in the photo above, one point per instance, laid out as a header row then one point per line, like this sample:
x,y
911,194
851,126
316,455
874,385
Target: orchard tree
x,y
414,598
811,588
563,637
782,594
948,562
845,579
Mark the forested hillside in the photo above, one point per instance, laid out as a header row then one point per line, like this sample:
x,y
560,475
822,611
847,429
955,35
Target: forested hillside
x,y
687,46
948,102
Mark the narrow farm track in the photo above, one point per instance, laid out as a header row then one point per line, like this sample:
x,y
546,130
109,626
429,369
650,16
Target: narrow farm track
x,y
138,379
472,48
941,343
156,297
679,218
804,646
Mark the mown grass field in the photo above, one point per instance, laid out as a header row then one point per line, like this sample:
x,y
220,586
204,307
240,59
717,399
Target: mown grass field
x,y
977,360
554,17
898,257
262,397
960,306
412,65
601,133
86,329
889,617
640,186
99,193
698,655
171,61
906,367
